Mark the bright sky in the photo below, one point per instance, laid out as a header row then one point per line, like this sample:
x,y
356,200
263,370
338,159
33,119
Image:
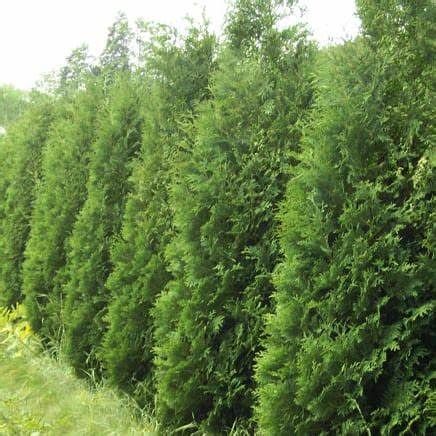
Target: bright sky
x,y
37,35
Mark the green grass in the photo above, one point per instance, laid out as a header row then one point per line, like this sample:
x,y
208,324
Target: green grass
x,y
41,396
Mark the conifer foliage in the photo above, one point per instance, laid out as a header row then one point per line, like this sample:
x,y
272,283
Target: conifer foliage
x,y
351,347
178,79
21,171
88,259
223,197
60,196
237,232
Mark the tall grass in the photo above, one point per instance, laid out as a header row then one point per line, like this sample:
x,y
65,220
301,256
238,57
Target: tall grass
x,y
40,395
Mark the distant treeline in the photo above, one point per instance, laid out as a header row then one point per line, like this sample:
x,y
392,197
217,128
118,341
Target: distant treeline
x,y
239,233
13,102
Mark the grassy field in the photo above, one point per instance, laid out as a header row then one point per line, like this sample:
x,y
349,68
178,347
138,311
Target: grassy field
x,y
40,396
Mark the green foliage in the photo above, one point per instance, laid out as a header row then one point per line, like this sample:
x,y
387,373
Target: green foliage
x,y
18,180
350,347
59,198
13,102
88,262
251,23
116,56
223,196
75,74
177,214
178,77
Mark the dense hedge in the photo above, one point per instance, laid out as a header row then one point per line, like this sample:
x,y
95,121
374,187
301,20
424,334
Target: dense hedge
x,y
351,345
224,196
88,258
60,196
178,78
239,233
21,172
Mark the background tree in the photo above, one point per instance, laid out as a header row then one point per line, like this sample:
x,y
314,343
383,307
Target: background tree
x,y
13,102
350,345
117,54
209,319
77,71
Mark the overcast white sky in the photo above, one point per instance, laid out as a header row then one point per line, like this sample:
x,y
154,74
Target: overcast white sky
x,y
37,35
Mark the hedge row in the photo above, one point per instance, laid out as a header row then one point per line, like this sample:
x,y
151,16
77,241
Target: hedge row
x,y
238,233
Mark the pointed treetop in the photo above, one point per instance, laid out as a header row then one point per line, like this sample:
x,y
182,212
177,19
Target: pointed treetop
x,y
116,55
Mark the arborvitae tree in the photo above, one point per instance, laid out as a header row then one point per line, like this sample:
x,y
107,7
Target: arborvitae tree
x,y
178,74
351,345
6,158
209,320
19,178
88,263
60,196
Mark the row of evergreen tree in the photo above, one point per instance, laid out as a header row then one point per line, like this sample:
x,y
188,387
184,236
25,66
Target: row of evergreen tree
x,y
238,233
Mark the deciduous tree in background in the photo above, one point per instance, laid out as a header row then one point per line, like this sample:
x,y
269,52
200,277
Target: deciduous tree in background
x,y
13,102
117,54
76,72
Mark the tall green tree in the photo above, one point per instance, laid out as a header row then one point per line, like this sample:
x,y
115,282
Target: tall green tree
x,y
59,198
224,194
178,75
351,345
117,54
76,72
21,171
88,260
